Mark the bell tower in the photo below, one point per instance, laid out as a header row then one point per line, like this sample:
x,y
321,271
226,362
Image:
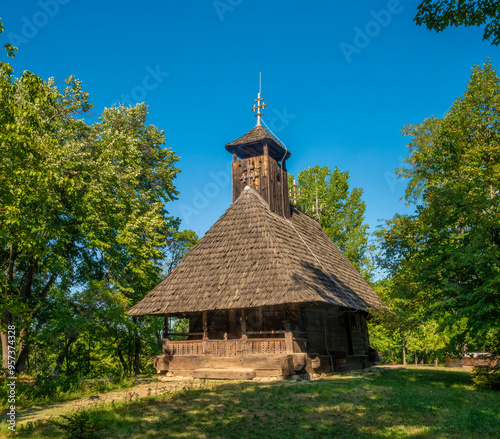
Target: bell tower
x,y
259,161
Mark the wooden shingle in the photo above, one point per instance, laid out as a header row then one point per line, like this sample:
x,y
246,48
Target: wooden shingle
x,y
254,257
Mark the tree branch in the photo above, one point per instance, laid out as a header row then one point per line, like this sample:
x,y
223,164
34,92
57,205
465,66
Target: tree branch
x,y
10,268
25,290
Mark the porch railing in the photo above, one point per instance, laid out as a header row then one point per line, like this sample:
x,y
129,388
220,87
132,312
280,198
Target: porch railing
x,y
235,347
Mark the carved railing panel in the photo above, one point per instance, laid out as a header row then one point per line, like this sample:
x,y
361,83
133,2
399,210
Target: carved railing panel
x,y
229,348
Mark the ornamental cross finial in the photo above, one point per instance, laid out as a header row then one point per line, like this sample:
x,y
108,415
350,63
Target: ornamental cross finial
x,y
258,108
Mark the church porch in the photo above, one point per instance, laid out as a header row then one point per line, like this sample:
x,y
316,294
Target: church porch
x,y
263,342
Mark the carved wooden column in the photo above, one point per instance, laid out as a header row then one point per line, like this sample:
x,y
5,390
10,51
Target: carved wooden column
x,y
244,337
205,332
226,347
166,328
166,336
288,338
243,325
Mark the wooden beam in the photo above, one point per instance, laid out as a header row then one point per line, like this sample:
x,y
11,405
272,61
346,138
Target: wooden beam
x,y
166,328
289,342
243,325
205,326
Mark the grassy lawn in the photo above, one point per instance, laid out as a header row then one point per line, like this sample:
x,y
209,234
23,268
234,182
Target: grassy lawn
x,y
50,392
416,403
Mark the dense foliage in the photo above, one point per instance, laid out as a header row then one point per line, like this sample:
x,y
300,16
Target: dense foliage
x,y
444,260
438,15
326,196
84,227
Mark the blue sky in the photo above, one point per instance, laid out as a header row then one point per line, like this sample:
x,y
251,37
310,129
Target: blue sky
x,y
340,78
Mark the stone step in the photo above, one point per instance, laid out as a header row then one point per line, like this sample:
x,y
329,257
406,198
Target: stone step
x,y
226,373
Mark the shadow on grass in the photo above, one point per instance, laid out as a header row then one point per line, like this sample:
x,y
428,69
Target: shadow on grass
x,y
392,404
422,377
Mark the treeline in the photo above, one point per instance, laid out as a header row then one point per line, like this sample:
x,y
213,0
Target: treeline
x,y
443,261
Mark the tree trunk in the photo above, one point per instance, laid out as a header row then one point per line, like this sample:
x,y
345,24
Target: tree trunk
x,y
137,349
122,360
89,356
7,321
22,358
416,359
435,362
68,364
5,350
62,356
404,351
23,351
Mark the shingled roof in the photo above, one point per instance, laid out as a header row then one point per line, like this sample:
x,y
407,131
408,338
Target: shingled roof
x,y
253,257
252,143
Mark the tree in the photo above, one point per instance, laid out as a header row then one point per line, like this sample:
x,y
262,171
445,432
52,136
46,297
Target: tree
x,y
178,244
439,14
325,195
447,254
78,202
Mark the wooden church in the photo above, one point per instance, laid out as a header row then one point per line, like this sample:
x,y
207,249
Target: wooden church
x,y
266,291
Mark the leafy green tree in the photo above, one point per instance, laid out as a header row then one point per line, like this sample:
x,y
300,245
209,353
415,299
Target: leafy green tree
x,y
427,339
439,14
325,195
78,202
178,244
390,328
448,251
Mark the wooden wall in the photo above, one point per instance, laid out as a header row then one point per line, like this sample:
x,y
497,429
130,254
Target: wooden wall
x,y
267,177
346,331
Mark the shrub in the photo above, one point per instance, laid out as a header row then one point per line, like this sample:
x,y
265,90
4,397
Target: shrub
x,y
487,377
79,425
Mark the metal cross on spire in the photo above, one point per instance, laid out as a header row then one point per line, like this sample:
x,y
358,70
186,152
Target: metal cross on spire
x,y
260,105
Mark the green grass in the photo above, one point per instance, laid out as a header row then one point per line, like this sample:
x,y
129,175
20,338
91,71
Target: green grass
x,y
47,391
416,403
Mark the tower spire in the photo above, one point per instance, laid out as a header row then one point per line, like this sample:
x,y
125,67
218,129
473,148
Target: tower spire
x,y
258,108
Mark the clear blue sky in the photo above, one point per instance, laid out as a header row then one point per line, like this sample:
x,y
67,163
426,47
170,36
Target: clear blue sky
x,y
336,97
